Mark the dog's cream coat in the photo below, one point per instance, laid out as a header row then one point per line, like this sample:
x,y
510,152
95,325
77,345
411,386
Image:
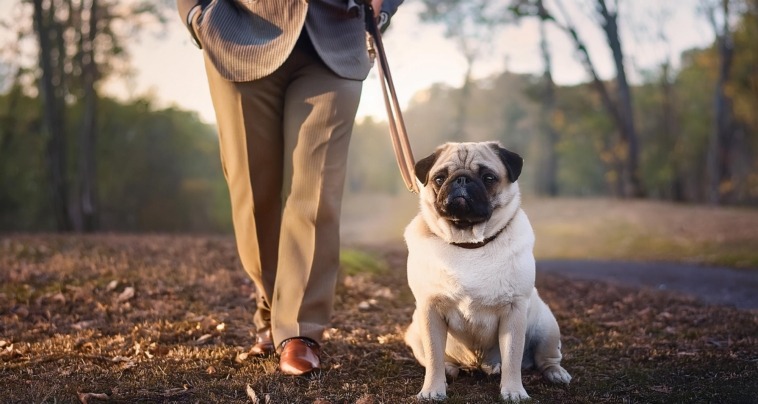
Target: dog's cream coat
x,y
478,307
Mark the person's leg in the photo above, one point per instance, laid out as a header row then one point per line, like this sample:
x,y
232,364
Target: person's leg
x,y
320,109
249,118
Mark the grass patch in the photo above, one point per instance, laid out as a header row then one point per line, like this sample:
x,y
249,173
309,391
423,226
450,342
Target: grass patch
x,y
643,231
591,228
355,262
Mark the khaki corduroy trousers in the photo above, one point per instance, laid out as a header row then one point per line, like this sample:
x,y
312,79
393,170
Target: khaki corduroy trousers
x,y
284,141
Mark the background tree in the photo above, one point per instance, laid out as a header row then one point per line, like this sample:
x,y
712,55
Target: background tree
x,y
80,43
720,153
547,122
161,170
51,83
743,92
472,24
620,108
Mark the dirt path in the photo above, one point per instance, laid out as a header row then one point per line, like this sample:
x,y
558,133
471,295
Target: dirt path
x,y
713,285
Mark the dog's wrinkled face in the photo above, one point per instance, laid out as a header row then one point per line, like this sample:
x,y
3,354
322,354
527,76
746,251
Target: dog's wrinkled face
x,y
465,183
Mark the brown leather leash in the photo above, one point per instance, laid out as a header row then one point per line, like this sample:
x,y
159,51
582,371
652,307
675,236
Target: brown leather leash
x,y
398,134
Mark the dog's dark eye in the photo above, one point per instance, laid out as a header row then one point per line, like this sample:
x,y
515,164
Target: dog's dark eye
x,y
489,178
439,180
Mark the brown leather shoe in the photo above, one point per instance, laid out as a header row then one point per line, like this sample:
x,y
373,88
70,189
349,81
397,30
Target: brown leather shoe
x,y
299,356
264,345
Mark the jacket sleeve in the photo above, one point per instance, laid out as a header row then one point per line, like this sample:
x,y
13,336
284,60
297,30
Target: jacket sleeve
x,y
184,7
390,6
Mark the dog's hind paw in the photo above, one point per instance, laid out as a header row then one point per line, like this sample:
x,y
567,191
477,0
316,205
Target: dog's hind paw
x,y
556,374
451,370
514,394
431,395
491,368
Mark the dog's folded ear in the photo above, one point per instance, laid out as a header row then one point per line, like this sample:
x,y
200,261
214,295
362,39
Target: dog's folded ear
x,y
513,162
423,167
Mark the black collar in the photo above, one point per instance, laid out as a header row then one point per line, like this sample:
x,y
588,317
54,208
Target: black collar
x,y
482,243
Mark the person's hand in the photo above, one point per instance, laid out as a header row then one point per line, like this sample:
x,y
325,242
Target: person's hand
x,y
377,6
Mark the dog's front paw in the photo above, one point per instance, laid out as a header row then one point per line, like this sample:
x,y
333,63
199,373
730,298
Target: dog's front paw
x,y
516,394
556,374
431,394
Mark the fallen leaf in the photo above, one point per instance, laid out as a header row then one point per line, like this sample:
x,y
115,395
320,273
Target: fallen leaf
x,y
207,323
85,397
7,350
177,391
661,389
78,293
58,297
127,294
241,357
365,399
192,317
384,292
81,325
84,345
112,286
203,339
158,350
21,311
251,393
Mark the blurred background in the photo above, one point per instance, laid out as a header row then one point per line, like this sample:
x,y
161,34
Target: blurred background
x,y
638,120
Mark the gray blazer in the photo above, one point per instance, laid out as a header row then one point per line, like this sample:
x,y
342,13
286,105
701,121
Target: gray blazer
x,y
249,39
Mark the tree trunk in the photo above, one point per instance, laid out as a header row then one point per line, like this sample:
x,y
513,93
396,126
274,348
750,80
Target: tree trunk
x,y
671,133
719,146
550,175
87,138
621,111
52,104
625,109
459,128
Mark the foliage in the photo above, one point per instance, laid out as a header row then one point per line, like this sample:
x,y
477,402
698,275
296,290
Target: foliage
x,y
674,114
76,45
371,166
744,93
159,170
472,25
505,108
23,197
744,89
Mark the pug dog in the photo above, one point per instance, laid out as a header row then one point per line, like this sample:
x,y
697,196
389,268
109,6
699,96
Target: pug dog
x,y
471,270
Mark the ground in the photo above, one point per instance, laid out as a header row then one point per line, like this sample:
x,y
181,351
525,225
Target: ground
x,y
656,304
155,318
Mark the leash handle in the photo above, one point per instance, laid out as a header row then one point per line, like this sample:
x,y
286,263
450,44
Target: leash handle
x,y
398,133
